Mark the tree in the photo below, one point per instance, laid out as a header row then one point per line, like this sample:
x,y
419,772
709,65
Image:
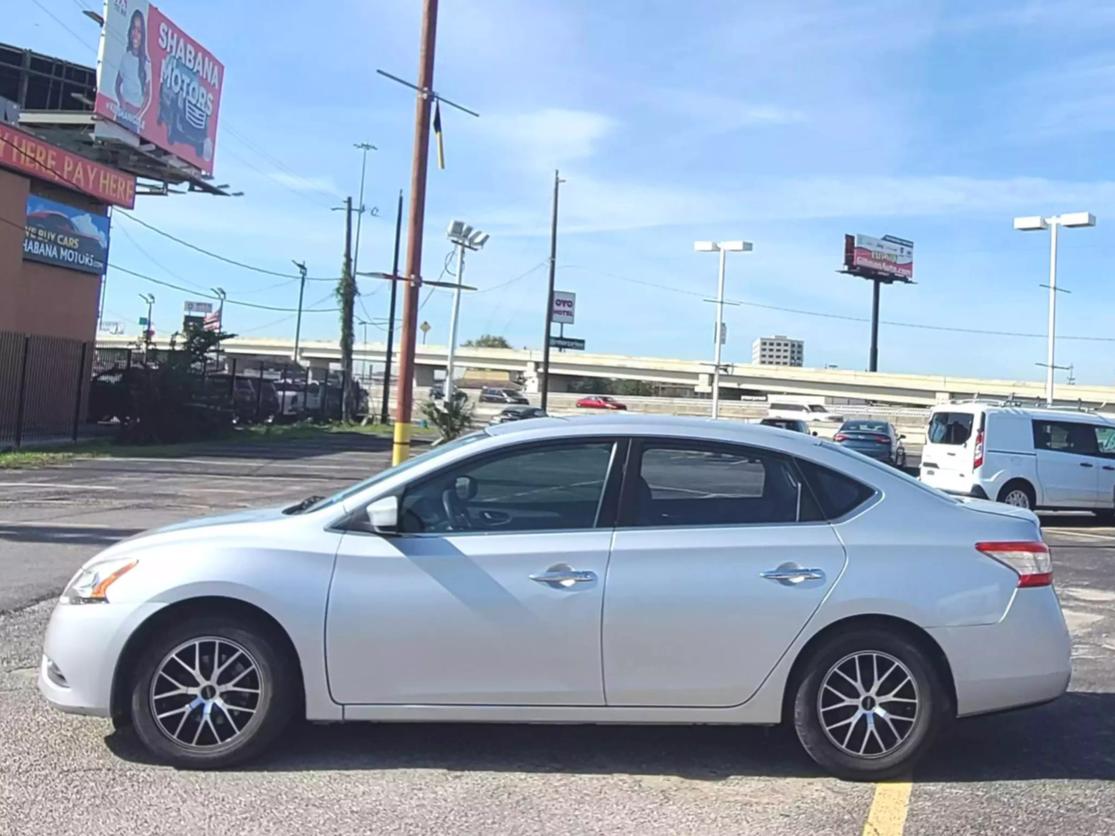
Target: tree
x,y
487,341
452,417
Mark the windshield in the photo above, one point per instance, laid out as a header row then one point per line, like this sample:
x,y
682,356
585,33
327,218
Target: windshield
x,y
422,458
817,407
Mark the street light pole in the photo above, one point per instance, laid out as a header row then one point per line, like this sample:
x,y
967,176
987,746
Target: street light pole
x,y
453,322
149,298
545,376
301,265
220,294
719,336
365,147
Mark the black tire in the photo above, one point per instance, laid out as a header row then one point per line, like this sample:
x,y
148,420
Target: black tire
x,y
914,735
273,708
1017,488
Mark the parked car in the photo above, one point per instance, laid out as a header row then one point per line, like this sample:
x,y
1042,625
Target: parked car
x,y
792,424
697,572
1029,457
243,391
600,402
490,394
518,413
805,409
877,439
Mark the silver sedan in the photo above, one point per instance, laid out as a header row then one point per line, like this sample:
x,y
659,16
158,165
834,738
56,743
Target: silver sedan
x,y
617,569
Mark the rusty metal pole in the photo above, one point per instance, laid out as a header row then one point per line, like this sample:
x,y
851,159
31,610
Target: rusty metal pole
x,y
405,399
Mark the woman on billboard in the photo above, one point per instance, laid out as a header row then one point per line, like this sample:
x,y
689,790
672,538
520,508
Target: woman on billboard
x,y
133,74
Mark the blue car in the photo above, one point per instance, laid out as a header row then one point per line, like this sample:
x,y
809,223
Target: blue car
x,y
877,439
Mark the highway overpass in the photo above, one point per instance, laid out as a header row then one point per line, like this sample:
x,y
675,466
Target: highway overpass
x,y
688,376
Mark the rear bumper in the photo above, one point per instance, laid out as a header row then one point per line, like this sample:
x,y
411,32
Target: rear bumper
x,y
1024,659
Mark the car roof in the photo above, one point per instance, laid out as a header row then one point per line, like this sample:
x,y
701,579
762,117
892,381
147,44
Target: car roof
x,y
1026,412
705,429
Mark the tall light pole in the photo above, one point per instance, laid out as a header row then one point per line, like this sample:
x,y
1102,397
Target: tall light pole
x,y
722,247
364,323
364,147
545,376
219,292
149,298
301,265
464,237
1052,223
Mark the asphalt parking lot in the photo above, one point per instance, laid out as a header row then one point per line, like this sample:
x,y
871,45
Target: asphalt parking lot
x,y
1048,769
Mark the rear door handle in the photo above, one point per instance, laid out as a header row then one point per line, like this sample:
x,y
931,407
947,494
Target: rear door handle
x,y
1108,467
563,576
790,574
1086,464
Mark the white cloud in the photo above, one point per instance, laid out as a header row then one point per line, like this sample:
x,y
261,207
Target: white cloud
x,y
551,136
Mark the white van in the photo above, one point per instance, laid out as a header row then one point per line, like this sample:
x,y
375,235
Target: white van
x,y
801,408
1025,456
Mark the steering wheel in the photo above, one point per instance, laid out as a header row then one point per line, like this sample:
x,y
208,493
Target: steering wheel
x,y
455,511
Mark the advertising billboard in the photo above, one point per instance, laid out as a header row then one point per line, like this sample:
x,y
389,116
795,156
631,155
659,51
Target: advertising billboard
x,y
887,259
65,236
30,155
158,82
565,307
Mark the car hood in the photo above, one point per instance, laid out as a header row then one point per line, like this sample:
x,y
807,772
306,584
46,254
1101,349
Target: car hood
x,y
1000,509
249,516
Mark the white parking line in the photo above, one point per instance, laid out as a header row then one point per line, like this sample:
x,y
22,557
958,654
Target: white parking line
x,y
56,486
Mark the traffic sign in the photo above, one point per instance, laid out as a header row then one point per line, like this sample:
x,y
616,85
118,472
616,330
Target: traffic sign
x,y
567,343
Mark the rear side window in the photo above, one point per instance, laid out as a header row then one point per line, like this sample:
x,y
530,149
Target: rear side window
x,y
950,428
1065,437
836,493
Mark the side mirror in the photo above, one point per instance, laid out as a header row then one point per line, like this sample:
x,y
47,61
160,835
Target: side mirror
x,y
383,514
814,432
901,437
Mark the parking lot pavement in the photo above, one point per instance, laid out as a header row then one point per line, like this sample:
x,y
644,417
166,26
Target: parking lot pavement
x,y
1036,771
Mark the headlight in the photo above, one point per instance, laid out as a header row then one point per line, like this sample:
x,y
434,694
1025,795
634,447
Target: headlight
x,y
90,585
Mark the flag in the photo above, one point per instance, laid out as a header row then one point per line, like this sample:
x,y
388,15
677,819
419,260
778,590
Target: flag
x,y
438,135
213,321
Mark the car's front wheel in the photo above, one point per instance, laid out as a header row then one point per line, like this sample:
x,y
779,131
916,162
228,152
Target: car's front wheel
x,y
212,691
869,704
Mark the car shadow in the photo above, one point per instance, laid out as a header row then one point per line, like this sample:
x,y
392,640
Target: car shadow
x,y
65,535
1072,738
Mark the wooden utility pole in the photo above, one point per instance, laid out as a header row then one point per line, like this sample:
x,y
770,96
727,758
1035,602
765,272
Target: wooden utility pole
x,y
545,381
405,401
348,300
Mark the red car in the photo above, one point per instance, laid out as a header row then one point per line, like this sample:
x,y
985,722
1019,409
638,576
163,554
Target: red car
x,y
599,402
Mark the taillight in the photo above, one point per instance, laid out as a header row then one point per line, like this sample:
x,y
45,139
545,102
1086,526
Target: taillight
x,y
883,439
840,437
1028,558
977,457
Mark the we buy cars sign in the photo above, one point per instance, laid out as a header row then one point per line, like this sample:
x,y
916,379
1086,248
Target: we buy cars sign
x,y
158,82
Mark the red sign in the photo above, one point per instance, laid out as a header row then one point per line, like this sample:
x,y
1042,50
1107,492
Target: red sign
x,y
158,82
27,154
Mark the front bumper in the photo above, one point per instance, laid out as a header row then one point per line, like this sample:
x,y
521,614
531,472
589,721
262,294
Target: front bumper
x,y
1024,659
82,645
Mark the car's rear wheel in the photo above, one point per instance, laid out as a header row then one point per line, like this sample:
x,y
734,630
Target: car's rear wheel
x,y
868,704
212,691
1018,494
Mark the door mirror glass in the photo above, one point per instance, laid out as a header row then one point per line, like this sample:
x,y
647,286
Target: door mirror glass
x,y
383,515
464,487
902,437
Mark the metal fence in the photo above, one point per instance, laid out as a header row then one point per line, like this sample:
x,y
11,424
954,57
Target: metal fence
x,y
43,385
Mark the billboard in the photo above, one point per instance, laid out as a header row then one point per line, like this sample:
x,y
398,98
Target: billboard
x,y
30,155
887,259
565,307
158,82
65,236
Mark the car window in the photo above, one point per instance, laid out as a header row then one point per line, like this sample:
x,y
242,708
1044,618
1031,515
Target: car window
x,y
817,408
950,428
532,488
1105,440
866,427
836,493
679,484
1065,437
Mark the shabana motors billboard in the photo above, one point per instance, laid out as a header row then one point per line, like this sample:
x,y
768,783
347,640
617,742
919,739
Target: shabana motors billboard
x,y
887,258
65,236
158,82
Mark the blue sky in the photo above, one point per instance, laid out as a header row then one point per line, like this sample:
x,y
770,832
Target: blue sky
x,y
787,124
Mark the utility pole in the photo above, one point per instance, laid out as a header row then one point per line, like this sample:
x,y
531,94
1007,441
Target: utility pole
x,y
301,265
365,147
348,298
220,294
545,382
149,298
391,312
401,447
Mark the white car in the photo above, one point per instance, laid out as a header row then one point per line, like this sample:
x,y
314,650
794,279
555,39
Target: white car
x,y
809,410
621,569
1028,457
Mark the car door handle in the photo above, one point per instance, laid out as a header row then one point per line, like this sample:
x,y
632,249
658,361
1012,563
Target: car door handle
x,y
790,574
1086,464
563,577
1108,467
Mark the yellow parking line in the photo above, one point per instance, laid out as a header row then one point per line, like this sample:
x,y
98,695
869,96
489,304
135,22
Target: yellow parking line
x,y
887,816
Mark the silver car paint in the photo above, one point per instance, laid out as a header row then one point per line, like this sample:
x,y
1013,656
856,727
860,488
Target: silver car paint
x,y
910,555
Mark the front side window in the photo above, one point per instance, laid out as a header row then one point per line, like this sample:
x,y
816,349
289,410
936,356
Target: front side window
x,y
699,485
549,488
1105,441
954,428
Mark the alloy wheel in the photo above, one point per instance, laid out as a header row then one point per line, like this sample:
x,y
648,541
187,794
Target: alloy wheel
x,y
1018,498
868,704
205,692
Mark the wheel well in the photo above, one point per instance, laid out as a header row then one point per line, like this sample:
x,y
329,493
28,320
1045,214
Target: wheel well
x,y
1026,486
120,704
897,625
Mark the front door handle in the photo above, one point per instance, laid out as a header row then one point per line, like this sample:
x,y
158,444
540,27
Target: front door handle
x,y
1086,464
563,576
790,574
1108,467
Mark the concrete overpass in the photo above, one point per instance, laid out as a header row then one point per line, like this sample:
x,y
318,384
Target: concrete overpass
x,y
741,379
